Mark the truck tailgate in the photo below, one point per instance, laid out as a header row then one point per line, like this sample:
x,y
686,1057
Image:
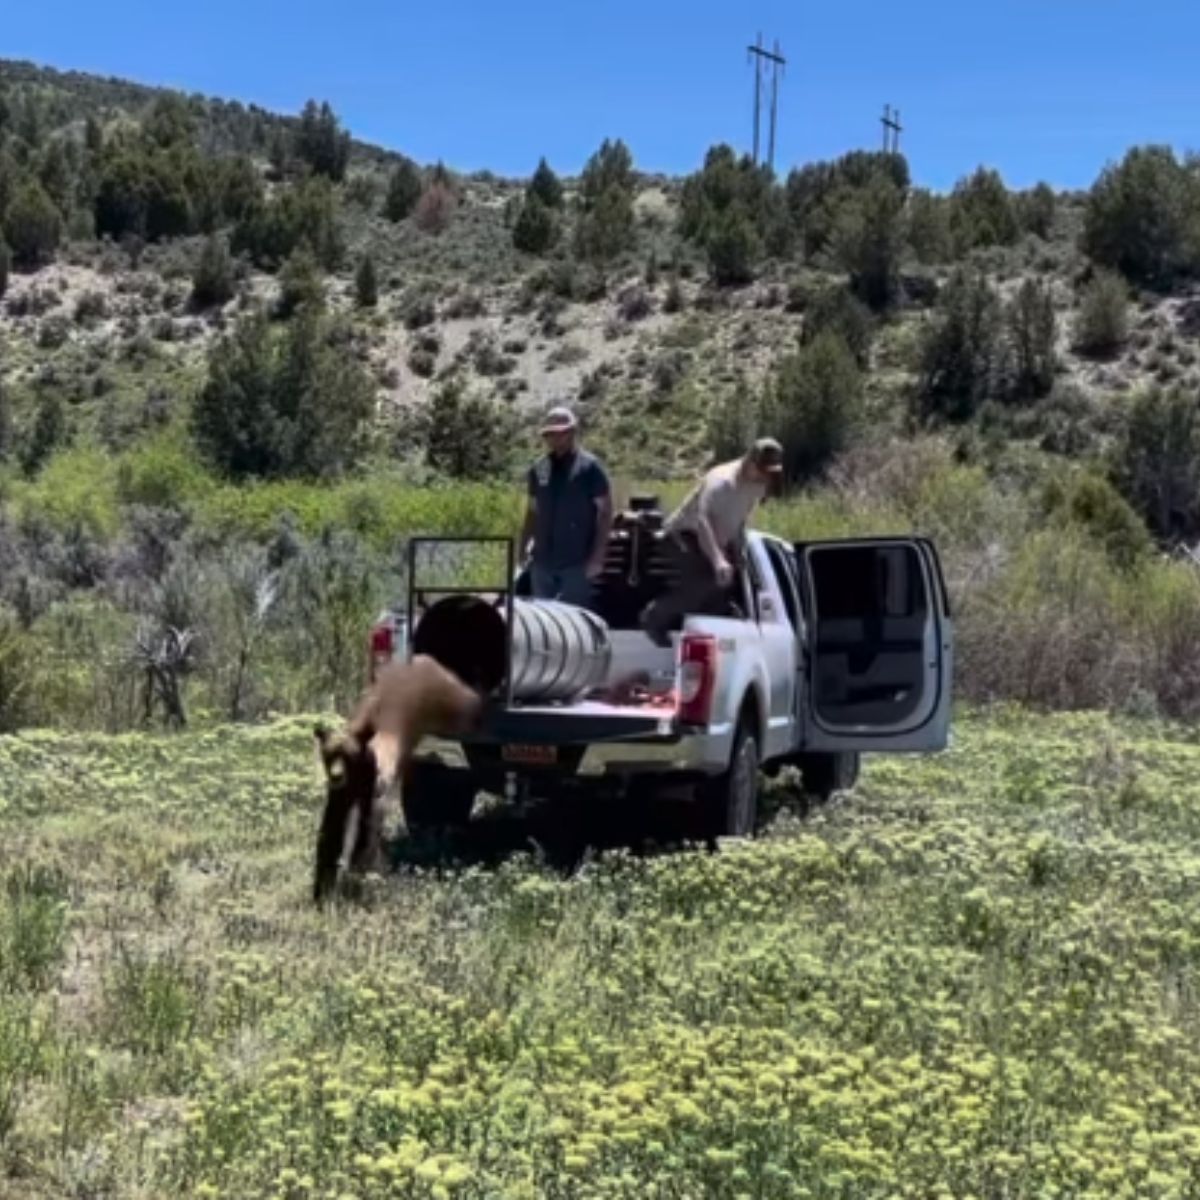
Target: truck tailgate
x,y
576,724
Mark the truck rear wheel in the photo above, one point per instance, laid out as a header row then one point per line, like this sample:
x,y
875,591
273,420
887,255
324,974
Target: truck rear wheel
x,y
731,798
436,797
824,774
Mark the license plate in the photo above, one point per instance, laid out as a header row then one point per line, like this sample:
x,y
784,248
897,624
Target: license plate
x,y
530,755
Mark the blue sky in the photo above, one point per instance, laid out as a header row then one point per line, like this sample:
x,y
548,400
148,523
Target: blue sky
x,y
1039,89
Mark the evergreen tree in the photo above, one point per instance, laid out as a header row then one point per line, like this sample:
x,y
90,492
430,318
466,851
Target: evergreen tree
x,y
404,190
546,186
366,288
813,400
606,225
868,238
1036,209
321,143
1032,331
212,281
960,348
282,404
1143,217
233,419
32,225
535,229
982,212
733,248
453,444
56,176
1157,460
5,265
93,136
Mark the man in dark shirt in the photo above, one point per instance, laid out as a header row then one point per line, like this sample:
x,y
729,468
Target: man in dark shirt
x,y
568,516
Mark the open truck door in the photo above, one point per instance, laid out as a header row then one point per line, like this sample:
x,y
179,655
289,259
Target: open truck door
x,y
879,645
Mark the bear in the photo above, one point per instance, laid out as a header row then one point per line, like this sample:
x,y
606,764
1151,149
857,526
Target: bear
x,y
372,753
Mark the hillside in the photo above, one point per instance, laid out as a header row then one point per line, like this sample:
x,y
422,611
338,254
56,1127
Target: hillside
x,y
241,349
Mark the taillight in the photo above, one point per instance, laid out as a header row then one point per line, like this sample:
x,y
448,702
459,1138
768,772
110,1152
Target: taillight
x,y
697,677
382,645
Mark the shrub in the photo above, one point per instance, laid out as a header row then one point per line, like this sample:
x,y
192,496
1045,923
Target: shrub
x,y
32,226
1143,217
421,362
1157,460
5,266
404,190
300,283
959,348
435,208
535,229
737,418
813,402
6,425
270,232
467,436
49,432
53,331
836,310
90,307
1089,502
634,303
417,308
366,289
1101,326
16,670
1032,331
212,281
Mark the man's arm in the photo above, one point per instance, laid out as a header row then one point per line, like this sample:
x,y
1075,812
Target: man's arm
x,y
604,522
601,492
708,539
527,528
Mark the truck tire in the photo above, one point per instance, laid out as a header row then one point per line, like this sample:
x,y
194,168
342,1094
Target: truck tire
x,y
436,797
730,799
824,774
349,839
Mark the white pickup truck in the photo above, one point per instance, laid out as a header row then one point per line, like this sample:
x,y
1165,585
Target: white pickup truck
x,y
822,651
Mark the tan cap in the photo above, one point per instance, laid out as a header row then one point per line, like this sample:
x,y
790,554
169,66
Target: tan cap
x,y
559,420
767,455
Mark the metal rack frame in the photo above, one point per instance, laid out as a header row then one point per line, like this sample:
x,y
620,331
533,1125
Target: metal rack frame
x,y
413,590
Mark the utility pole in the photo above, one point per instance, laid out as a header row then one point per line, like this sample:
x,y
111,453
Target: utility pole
x,y
778,61
759,55
891,129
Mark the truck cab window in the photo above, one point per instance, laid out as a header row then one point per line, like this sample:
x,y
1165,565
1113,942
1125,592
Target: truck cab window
x,y
787,584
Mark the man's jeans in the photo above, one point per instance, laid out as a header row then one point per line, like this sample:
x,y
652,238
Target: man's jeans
x,y
569,584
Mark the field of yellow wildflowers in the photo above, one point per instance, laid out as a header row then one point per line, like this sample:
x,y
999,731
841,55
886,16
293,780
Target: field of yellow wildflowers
x,y
973,977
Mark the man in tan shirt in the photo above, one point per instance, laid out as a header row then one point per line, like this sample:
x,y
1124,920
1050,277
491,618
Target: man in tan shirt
x,y
705,535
